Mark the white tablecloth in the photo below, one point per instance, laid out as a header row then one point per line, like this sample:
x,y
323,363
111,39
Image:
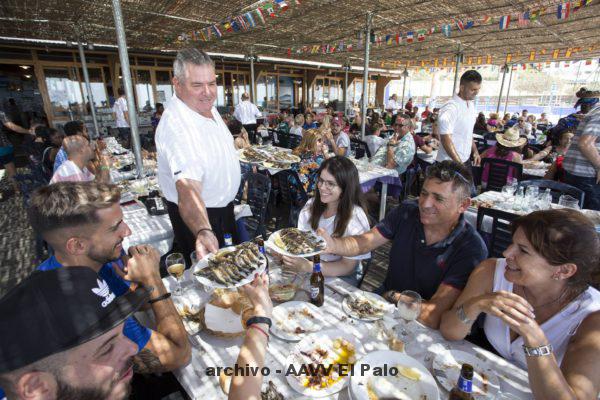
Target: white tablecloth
x,y
423,344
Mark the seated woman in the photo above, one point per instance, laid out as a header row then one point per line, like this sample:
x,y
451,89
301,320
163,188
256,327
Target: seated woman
x,y
338,209
540,311
296,129
506,148
480,127
556,170
312,150
492,122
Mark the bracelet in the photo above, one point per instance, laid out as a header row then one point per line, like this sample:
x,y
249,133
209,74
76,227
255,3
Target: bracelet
x,y
204,229
260,329
104,168
540,351
259,320
159,298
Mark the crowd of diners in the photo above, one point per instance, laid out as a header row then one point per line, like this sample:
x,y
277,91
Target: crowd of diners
x,y
68,329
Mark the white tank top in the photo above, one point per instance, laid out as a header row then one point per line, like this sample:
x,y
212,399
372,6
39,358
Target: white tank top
x,y
558,329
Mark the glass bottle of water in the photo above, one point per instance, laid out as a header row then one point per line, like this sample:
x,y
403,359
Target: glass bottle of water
x,y
547,199
519,198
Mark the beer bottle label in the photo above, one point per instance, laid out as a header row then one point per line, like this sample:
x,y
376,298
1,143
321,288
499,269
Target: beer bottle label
x,y
314,292
465,385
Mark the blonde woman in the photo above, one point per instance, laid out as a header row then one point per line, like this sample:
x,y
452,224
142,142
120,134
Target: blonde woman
x,y
312,150
296,129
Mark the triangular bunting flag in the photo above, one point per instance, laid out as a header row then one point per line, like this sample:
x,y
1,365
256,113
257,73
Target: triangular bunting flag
x,y
532,55
282,4
460,25
410,37
421,35
469,24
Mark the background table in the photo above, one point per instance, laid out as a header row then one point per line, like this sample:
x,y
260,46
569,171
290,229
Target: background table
x,y
425,343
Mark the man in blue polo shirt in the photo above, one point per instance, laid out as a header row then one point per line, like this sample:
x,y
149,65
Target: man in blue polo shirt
x,y
83,223
433,249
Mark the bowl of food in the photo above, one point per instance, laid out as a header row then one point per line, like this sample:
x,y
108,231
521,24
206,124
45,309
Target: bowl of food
x,y
283,284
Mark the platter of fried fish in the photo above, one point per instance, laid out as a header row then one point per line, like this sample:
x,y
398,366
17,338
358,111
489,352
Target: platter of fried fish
x,y
253,155
231,267
296,243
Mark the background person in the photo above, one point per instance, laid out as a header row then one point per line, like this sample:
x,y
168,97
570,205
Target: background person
x,y
121,116
400,150
246,112
540,311
79,155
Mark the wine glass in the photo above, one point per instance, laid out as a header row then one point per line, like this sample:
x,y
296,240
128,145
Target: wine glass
x,y
175,263
409,307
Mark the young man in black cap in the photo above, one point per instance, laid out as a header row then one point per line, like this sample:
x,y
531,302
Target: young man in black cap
x,y
83,222
62,337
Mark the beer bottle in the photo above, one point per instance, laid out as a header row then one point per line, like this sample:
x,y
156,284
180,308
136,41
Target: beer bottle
x,y
464,387
227,240
317,283
261,248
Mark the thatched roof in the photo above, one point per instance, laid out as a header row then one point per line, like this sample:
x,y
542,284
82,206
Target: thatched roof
x,y
295,32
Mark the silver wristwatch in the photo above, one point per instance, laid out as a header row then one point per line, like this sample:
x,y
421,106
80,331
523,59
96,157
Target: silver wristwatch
x,y
462,316
540,351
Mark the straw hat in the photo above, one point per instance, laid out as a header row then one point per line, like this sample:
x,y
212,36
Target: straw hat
x,y
510,138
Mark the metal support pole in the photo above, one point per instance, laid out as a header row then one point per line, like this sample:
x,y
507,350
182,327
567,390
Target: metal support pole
x,y
252,97
403,87
126,72
88,87
504,68
508,90
346,69
363,108
458,60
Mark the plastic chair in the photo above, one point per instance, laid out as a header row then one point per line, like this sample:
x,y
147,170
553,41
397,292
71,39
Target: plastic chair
x,y
556,189
274,137
259,190
498,172
284,139
481,144
501,236
366,264
360,148
294,141
292,194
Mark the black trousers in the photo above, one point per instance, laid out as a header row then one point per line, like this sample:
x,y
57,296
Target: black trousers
x,y
251,129
222,221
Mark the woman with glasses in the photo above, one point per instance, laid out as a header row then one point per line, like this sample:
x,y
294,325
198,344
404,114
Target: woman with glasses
x,y
540,309
337,208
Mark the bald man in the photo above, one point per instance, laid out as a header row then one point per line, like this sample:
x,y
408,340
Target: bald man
x,y
79,154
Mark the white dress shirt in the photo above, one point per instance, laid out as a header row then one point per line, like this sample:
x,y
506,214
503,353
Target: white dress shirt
x,y
457,118
120,108
392,105
246,112
191,146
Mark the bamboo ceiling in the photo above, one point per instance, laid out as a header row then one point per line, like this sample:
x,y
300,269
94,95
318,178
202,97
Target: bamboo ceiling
x,y
157,24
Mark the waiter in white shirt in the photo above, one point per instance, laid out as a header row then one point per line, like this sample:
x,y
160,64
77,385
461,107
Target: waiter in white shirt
x,y
456,121
392,104
246,113
198,167
122,118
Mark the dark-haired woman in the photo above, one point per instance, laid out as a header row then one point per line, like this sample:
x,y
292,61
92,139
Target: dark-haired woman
x,y
336,208
540,311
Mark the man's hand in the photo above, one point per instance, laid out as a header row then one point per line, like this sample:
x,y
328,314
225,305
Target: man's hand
x,y
206,242
329,241
142,266
258,293
476,159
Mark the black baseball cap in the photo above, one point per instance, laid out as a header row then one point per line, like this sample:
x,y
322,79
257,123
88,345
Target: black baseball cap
x,y
53,311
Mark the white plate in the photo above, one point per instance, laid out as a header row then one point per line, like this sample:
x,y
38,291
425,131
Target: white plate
x,y
281,318
271,243
425,386
450,362
372,297
207,282
324,339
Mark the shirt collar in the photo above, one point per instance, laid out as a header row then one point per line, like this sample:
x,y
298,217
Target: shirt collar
x,y
448,240
184,107
460,99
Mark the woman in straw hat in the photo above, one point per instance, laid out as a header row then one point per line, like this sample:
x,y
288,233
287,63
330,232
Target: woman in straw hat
x,y
507,148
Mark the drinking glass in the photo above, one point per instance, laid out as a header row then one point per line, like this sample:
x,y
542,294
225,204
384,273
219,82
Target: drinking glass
x,y
566,200
508,191
175,263
409,307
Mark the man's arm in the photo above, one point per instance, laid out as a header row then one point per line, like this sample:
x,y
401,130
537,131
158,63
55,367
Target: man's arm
x,y
587,145
475,154
448,145
168,347
351,246
16,128
194,214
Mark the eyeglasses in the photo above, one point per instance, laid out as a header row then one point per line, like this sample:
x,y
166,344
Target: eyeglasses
x,y
445,174
329,185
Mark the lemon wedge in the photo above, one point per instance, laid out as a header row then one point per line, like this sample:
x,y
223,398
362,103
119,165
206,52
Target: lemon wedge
x,y
278,242
409,373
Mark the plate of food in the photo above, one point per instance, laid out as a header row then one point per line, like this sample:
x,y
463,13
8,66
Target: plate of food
x,y
320,363
277,164
296,243
366,306
392,375
447,365
253,155
231,267
284,157
295,319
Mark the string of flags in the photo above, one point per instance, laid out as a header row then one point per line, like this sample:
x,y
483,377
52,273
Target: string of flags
x,y
239,23
564,10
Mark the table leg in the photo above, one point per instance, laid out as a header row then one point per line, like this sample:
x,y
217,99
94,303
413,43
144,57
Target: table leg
x,y
384,187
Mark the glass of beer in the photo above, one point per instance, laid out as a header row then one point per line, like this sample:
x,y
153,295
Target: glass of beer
x,y
175,263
